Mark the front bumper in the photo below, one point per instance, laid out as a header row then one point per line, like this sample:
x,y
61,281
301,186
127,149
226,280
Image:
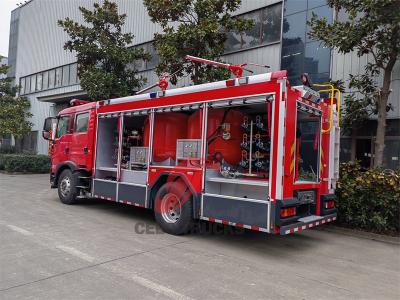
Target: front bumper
x,y
307,222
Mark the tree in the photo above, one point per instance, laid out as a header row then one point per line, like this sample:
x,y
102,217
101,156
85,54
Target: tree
x,y
106,66
372,27
200,31
14,112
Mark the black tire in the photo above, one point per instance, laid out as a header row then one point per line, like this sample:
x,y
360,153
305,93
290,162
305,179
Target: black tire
x,y
170,198
67,191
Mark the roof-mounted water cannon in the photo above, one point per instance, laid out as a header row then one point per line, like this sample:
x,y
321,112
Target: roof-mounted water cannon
x,y
162,82
236,70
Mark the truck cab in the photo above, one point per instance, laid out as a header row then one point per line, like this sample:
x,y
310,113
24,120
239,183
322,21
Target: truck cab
x,y
71,136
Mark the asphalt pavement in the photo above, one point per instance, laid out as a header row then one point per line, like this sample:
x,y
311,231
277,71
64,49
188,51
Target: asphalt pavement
x,y
104,250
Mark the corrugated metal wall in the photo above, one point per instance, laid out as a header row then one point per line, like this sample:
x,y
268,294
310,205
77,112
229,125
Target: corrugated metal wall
x,y
345,64
41,40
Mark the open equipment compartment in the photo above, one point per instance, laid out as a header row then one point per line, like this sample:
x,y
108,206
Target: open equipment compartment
x,y
238,147
177,137
238,161
134,148
107,141
106,164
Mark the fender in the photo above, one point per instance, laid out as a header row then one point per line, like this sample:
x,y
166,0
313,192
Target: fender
x,y
61,167
162,179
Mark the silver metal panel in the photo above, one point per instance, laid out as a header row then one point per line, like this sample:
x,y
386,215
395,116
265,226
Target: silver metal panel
x,y
267,55
350,63
40,40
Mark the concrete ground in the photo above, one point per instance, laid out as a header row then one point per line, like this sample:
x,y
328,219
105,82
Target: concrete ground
x,y
103,250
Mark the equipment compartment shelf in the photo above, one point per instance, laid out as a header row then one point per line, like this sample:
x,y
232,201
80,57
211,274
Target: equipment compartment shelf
x,y
107,169
238,181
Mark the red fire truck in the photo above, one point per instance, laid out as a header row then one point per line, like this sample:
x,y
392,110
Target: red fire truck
x,y
251,152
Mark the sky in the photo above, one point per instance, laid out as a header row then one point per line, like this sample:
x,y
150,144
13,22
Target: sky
x,y
6,6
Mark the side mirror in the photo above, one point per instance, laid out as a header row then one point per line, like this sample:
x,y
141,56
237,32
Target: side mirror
x,y
47,127
46,135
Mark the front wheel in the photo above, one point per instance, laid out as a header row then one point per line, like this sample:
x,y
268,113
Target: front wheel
x,y
67,190
173,208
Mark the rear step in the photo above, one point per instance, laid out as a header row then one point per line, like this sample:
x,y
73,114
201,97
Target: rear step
x,y
82,187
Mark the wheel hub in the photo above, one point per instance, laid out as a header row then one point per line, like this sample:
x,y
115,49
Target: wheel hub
x,y
170,208
65,186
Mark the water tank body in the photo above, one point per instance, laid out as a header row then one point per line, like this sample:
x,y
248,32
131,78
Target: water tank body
x,y
220,123
168,127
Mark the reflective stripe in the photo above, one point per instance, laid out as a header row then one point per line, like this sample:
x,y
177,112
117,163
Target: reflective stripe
x,y
238,225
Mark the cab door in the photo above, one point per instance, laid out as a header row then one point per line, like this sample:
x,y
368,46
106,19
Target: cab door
x,y
80,140
62,140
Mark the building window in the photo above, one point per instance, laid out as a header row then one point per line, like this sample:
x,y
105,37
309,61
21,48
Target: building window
x,y
52,78
45,83
29,141
58,81
65,75
33,83
73,74
153,62
142,65
39,82
300,54
27,85
266,30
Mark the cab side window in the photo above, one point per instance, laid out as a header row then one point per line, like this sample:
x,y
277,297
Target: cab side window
x,y
81,122
63,126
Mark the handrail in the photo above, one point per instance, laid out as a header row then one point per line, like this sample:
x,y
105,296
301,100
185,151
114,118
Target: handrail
x,y
332,90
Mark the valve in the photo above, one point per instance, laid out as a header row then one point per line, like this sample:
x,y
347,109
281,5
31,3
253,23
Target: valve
x,y
245,124
260,125
260,144
244,162
245,144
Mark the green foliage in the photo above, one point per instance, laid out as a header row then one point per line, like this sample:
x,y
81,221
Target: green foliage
x,y
105,64
26,163
13,110
8,150
201,32
372,27
369,199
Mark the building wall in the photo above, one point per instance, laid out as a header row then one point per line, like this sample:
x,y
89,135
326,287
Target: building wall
x,y
40,47
3,61
36,48
360,145
350,63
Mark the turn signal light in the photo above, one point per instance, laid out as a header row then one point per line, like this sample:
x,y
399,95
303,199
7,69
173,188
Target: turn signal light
x,y
288,212
329,204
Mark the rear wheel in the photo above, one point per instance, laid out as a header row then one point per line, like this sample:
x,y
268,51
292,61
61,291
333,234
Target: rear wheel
x,y
67,190
173,208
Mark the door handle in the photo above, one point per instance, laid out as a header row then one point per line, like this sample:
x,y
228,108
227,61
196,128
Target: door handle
x,y
66,149
85,150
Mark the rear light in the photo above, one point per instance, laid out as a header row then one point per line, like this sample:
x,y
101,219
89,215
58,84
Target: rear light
x,y
288,212
329,204
230,82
